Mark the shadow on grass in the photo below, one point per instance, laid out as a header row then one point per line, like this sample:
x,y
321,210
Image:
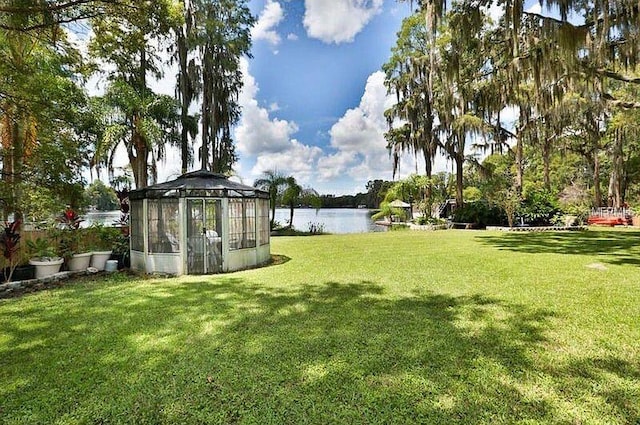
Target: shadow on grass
x,y
615,247
228,351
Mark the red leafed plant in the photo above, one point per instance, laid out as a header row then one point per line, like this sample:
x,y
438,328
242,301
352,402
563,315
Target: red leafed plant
x,y
70,238
9,244
70,219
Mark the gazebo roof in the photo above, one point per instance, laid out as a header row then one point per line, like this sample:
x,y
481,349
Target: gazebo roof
x,y
399,204
199,183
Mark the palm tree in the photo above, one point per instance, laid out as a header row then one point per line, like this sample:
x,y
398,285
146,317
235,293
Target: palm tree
x,y
144,137
127,41
271,182
291,196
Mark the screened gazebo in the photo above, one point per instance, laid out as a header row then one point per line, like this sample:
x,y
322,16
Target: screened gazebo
x,y
199,223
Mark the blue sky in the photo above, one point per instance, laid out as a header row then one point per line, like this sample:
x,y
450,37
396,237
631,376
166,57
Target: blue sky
x,y
314,93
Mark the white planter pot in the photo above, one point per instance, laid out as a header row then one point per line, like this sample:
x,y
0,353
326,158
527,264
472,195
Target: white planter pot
x,y
79,262
46,268
99,259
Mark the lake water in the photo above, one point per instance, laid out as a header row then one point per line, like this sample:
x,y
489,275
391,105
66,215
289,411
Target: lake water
x,y
333,220
106,218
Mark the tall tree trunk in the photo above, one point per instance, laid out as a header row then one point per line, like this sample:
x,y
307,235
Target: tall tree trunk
x,y
519,166
291,209
597,193
614,194
459,158
139,159
207,107
185,100
16,133
272,201
546,160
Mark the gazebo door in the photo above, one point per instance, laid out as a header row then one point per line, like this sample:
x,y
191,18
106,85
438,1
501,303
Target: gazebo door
x,y
204,236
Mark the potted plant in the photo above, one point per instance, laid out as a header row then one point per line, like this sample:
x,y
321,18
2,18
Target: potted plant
x,y
121,251
44,258
9,244
71,242
103,239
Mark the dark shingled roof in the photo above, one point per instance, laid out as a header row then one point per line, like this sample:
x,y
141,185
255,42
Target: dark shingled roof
x,y
199,183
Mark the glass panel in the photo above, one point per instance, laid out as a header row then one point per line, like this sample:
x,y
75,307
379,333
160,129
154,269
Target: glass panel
x,y
195,241
263,221
163,225
136,226
213,236
235,224
249,239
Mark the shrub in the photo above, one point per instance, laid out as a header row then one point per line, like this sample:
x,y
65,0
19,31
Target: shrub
x,y
539,207
423,220
9,244
316,228
480,212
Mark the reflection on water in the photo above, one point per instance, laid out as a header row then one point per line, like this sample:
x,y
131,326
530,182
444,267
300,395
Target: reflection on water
x,y
106,218
334,220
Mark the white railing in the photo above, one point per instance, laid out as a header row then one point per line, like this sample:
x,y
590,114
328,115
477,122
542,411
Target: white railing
x,y
612,212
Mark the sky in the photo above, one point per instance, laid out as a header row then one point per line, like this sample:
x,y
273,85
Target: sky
x,y
314,96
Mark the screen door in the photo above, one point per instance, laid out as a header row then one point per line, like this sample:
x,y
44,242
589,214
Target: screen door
x,y
204,236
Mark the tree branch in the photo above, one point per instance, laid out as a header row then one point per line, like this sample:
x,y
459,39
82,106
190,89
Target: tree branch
x,y
53,7
92,9
616,76
621,103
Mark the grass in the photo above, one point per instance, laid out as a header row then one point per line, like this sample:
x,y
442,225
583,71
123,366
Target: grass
x,y
395,328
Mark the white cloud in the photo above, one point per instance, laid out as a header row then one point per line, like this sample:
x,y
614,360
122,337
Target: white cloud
x,y
269,140
257,132
297,159
357,151
269,19
338,21
292,37
274,107
358,137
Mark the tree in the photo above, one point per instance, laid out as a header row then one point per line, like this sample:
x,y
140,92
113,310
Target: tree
x,y
409,76
463,48
623,133
101,196
43,15
129,42
539,61
188,79
142,123
41,106
376,191
291,196
222,37
271,182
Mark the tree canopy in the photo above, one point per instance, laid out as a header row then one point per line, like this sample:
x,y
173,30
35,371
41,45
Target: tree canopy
x,y
51,129
570,77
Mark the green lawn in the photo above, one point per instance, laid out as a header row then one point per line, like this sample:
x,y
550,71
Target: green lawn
x,y
392,328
